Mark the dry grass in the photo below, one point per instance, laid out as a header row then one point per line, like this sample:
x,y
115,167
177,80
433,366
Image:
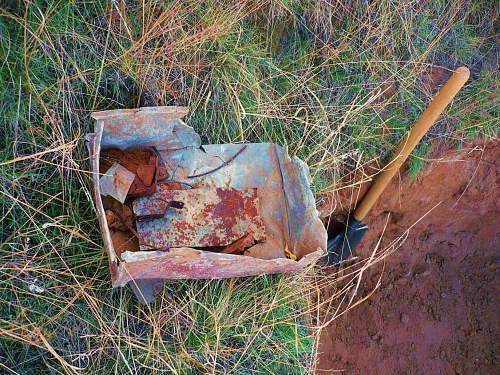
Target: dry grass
x,y
337,82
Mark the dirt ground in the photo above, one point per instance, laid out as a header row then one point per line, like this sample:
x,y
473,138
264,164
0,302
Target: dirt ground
x,y
437,309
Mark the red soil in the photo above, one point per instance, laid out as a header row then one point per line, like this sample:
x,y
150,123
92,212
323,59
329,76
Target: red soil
x,y
437,309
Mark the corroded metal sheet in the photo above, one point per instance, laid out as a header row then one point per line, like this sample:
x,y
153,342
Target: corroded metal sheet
x,y
284,200
159,127
197,217
186,263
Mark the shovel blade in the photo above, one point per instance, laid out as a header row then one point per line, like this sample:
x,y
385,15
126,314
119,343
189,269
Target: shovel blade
x,y
342,246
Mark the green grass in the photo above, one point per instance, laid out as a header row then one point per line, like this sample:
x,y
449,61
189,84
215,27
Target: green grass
x,y
304,74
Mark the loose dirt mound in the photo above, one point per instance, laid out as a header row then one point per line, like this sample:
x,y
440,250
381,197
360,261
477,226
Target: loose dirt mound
x,y
437,309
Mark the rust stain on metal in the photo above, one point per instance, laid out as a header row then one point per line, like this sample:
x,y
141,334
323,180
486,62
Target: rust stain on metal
x,y
113,269
208,217
124,241
240,245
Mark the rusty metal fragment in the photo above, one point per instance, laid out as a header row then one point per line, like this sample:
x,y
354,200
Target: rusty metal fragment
x,y
114,221
116,182
240,245
208,217
118,216
187,263
124,241
143,163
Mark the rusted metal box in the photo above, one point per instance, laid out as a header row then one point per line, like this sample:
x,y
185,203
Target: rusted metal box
x,y
224,193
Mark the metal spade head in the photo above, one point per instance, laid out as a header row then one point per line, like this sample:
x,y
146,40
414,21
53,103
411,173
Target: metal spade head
x,y
343,244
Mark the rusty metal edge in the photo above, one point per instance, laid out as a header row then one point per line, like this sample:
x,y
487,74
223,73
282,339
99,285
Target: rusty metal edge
x,y
171,112
94,153
95,148
206,265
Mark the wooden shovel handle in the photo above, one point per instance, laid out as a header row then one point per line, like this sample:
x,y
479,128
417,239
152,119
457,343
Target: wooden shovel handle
x,y
425,121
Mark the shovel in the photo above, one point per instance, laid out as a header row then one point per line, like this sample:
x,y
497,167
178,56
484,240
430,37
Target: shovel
x,y
343,245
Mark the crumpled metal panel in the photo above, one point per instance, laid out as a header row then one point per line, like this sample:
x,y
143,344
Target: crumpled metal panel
x,y
287,205
206,217
285,201
187,263
159,127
